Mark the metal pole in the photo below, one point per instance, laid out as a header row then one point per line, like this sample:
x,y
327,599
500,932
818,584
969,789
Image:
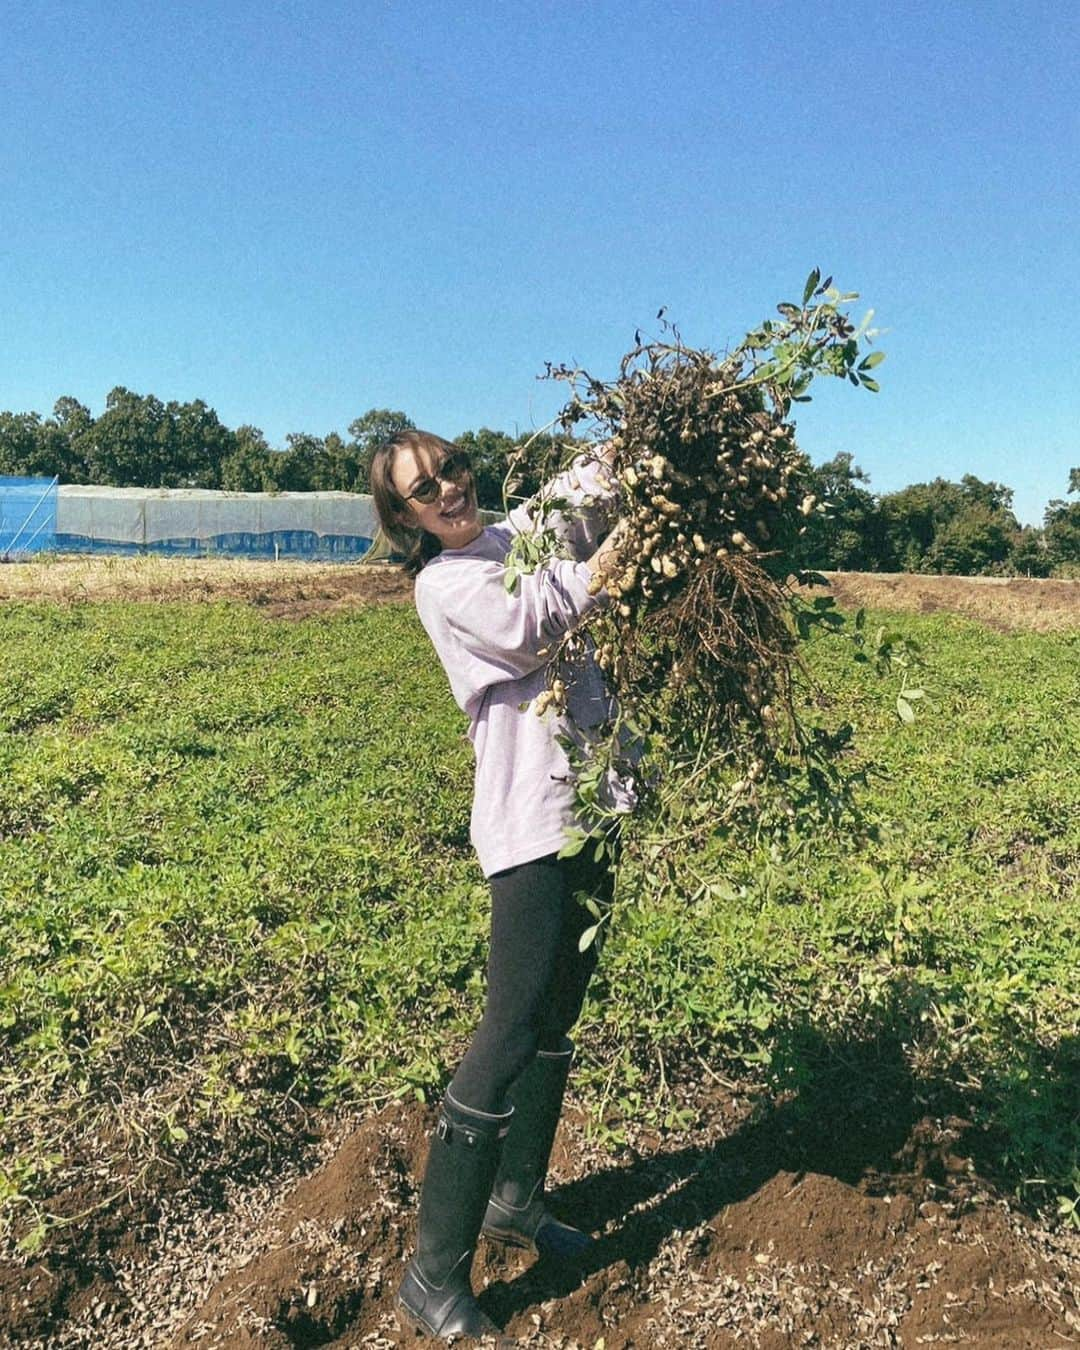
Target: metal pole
x,y
26,546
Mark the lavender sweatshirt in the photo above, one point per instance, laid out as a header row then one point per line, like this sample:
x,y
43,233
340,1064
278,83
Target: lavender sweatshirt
x,y
489,642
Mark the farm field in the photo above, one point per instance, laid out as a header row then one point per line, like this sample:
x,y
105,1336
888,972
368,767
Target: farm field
x,y
296,589
832,1102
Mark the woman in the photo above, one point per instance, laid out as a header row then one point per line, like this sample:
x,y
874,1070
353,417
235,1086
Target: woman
x,y
489,1153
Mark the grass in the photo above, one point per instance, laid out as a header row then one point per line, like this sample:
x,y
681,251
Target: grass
x,y
235,882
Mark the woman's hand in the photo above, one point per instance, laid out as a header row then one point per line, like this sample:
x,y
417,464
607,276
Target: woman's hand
x,y
605,452
605,562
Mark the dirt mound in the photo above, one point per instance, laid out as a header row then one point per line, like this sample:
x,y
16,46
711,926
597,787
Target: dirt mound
x,y
331,1258
286,590
1009,604
76,1282
295,590
749,1229
802,1259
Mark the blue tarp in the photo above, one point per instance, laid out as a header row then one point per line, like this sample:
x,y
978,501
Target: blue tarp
x,y
27,515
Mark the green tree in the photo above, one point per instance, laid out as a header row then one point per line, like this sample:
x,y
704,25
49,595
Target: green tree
x,y
195,445
994,496
46,448
138,441
126,444
296,469
1029,556
250,464
910,519
70,431
337,468
942,526
1062,530
18,443
489,453
976,541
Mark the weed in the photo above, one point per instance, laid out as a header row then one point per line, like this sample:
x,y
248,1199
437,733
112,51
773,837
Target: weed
x,y
235,886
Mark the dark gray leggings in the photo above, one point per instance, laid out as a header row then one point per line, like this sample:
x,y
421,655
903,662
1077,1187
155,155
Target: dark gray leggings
x,y
536,976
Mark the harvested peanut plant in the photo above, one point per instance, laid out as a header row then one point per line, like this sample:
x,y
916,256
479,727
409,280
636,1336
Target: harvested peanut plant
x,y
701,643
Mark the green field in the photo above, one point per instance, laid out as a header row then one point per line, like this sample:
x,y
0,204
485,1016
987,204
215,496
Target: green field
x,y
235,880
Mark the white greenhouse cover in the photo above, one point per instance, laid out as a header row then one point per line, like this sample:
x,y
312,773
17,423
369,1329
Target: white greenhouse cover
x,y
148,516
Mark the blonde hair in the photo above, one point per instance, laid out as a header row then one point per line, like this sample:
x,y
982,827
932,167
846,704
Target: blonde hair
x,y
418,546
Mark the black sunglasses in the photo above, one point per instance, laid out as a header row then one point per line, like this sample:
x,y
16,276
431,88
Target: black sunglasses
x,y
453,469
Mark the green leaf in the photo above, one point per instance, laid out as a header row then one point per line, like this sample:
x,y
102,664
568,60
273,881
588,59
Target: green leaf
x,y
573,846
870,384
32,1242
811,284
904,708
510,580
723,890
874,359
588,937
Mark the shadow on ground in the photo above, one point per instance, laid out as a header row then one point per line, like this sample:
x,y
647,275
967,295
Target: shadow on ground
x,y
863,1203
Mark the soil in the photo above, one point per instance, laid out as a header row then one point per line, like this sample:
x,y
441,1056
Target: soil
x,y
1008,604
864,1224
281,590
297,590
749,1229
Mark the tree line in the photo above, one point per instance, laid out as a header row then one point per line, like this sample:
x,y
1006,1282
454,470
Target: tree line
x,y
964,528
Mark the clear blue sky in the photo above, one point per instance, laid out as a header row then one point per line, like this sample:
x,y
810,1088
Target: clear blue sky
x,y
300,211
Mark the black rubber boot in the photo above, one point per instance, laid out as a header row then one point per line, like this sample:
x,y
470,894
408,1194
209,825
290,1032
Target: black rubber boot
x,y
516,1213
436,1297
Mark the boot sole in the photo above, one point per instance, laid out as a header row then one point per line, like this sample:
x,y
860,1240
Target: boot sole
x,y
524,1244
411,1324
417,1328
521,1244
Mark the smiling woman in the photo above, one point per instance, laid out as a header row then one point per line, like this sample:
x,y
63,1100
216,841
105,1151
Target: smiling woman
x,y
425,496
489,1155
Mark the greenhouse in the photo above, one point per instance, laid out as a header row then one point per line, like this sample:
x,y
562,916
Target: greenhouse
x,y
196,521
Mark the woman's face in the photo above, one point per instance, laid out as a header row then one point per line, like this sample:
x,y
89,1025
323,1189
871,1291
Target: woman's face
x,y
453,517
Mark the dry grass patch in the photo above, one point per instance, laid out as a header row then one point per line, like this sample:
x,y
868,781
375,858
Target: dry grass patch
x,y
1009,604
284,589
295,589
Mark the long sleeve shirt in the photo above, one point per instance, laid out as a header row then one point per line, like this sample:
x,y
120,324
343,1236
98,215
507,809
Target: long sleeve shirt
x,y
490,641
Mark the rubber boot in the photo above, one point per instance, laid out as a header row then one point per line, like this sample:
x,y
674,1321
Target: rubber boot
x,y
516,1212
436,1297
